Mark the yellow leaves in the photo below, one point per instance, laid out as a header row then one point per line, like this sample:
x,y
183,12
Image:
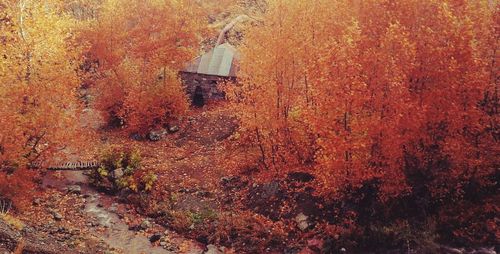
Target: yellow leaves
x,y
149,180
11,221
37,75
352,34
102,172
132,186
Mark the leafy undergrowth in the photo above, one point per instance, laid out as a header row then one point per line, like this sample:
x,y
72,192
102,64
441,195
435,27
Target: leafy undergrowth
x,y
12,221
210,189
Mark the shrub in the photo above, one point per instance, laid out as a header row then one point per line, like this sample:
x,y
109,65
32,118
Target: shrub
x,y
248,231
135,79
5,216
410,141
12,221
244,230
16,187
121,169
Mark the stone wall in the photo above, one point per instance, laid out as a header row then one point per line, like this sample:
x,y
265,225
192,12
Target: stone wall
x,y
207,83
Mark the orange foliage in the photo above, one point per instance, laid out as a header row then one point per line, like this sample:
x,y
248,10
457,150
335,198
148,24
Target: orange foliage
x,y
17,187
361,90
136,58
38,81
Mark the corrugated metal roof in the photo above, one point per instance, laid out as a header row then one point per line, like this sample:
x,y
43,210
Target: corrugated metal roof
x,y
220,61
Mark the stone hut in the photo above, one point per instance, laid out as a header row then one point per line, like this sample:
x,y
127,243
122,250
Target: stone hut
x,y
202,75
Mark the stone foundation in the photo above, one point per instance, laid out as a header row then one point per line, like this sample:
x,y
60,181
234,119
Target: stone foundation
x,y
207,83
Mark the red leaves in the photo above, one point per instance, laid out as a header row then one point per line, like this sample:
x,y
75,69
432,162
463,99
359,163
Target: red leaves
x,y
355,96
139,57
17,187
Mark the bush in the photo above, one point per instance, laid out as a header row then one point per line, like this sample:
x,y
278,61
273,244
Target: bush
x,y
16,187
12,221
121,169
248,231
136,78
244,231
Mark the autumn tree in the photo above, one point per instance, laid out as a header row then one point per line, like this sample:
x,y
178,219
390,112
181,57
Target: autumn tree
x,y
401,94
134,59
38,105
279,68
440,69
38,78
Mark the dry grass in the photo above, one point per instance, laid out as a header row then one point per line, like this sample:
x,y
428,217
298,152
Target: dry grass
x,y
12,221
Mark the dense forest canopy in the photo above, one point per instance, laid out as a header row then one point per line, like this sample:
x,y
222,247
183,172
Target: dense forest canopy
x,y
391,107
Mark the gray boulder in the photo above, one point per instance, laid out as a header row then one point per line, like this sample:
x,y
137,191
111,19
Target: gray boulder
x,y
118,173
145,224
302,221
76,189
212,249
173,129
154,135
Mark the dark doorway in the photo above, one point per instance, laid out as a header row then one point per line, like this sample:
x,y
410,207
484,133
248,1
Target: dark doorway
x,y
198,99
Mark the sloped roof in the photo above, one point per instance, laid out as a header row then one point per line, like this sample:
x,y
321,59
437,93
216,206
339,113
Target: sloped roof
x,y
220,61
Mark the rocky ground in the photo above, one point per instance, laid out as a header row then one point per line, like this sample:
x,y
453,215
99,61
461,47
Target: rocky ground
x,y
205,198
69,216
50,227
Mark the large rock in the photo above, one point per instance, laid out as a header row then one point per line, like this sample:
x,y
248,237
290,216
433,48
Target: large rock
x,y
173,129
76,189
145,224
155,238
302,221
118,173
8,237
212,249
34,242
154,135
266,199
